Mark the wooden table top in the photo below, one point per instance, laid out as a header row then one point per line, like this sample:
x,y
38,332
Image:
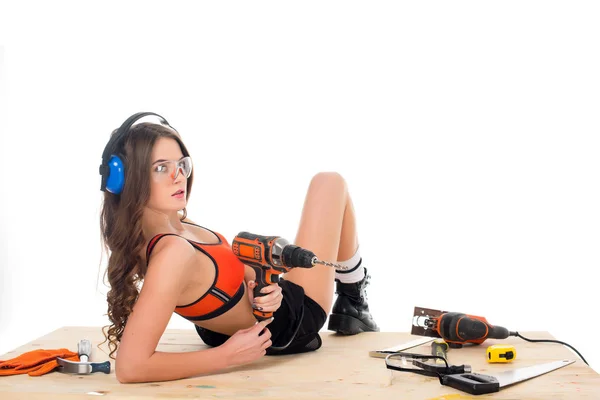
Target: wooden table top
x,y
341,369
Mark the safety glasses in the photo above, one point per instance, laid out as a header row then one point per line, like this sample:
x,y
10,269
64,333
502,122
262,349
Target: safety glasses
x,y
168,170
416,363
422,364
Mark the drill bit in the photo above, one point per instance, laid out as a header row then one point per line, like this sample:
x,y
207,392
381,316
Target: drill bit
x,y
328,264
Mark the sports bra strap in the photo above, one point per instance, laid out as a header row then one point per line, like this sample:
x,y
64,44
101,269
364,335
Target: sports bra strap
x,y
152,243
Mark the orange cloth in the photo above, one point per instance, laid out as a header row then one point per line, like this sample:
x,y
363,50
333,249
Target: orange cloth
x,y
36,362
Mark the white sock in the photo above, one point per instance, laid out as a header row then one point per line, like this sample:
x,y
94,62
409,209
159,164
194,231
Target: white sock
x,y
355,271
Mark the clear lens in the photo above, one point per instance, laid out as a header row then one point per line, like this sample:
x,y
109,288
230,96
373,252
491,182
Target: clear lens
x,y
185,164
403,361
399,367
170,170
416,363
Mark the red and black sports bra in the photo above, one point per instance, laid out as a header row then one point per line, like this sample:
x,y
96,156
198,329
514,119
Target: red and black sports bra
x,y
228,286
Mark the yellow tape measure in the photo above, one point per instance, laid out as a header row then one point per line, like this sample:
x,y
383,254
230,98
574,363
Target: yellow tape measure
x,y
501,353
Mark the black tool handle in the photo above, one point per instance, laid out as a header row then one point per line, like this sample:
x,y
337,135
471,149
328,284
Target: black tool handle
x,y
471,383
101,367
472,329
460,327
264,277
439,368
498,332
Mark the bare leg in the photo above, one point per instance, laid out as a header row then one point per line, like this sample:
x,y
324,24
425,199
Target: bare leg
x,y
327,228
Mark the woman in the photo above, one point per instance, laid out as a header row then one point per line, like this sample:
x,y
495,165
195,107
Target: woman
x,y
188,269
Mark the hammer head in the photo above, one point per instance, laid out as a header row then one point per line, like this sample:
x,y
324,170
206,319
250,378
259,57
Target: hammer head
x,y
83,368
84,348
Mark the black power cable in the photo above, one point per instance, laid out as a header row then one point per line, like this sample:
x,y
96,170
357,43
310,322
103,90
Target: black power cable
x,y
549,341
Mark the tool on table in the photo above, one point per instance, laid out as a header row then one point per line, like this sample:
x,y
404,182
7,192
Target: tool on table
x,y
460,376
439,348
383,353
271,256
84,349
423,364
501,353
36,362
455,328
473,383
458,329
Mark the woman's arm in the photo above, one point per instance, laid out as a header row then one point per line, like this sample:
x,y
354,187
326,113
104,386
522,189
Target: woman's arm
x,y
137,359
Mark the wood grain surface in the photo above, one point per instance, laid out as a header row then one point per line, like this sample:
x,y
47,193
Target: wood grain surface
x,y
341,369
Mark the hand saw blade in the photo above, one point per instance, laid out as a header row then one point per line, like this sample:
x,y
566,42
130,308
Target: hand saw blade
x,y
508,378
474,383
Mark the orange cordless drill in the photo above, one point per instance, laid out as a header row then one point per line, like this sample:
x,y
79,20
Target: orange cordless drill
x,y
456,328
271,256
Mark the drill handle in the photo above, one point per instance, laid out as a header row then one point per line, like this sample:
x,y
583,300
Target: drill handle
x,y
264,277
493,332
470,328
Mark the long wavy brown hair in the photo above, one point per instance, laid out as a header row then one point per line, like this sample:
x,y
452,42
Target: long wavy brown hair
x,y
122,235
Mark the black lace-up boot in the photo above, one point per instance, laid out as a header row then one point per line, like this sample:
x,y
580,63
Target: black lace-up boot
x,y
350,312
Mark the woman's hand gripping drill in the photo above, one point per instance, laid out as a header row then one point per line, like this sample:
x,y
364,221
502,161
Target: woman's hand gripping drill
x,y
270,299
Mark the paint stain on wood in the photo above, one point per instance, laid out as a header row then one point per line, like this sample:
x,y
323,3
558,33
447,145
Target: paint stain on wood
x,y
452,397
201,386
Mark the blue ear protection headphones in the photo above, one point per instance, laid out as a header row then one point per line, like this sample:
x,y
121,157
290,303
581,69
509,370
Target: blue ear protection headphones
x,y
112,168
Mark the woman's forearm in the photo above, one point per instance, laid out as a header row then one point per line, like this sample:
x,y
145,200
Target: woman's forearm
x,y
165,366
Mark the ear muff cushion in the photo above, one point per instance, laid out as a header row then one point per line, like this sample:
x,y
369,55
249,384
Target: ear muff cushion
x,y
116,175
113,172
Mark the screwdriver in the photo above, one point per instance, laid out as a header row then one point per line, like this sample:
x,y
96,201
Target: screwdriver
x,y
439,348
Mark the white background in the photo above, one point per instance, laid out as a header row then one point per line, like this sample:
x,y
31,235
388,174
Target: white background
x,y
467,133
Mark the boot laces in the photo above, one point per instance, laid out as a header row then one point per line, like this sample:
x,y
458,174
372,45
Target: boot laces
x,y
364,284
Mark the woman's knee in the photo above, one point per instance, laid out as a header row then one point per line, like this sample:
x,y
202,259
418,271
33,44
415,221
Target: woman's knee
x,y
329,180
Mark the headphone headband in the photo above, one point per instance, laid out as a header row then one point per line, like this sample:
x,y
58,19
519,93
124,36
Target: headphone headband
x,y
117,139
111,150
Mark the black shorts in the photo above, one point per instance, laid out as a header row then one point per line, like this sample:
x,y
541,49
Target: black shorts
x,y
298,314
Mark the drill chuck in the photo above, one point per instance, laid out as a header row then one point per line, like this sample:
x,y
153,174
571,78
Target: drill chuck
x,y
296,257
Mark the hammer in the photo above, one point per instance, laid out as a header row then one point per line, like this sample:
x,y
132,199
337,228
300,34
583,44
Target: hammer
x,y
84,348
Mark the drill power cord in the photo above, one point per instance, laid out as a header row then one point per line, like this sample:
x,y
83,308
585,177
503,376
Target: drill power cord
x,y
293,336
549,341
